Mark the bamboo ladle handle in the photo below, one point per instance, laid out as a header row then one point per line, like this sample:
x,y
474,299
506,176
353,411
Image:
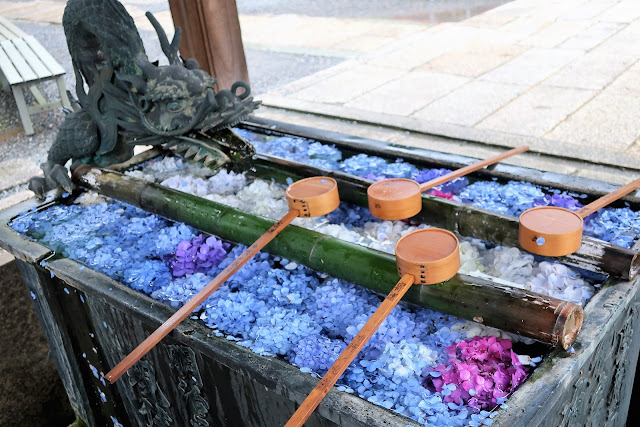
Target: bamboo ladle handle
x,y
308,197
350,352
400,198
199,298
608,198
472,168
424,257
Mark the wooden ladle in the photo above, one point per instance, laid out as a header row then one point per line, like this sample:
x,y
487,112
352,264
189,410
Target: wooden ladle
x,y
400,198
309,197
555,231
424,257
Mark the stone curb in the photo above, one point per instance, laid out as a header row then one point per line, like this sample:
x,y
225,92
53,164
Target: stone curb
x,y
490,137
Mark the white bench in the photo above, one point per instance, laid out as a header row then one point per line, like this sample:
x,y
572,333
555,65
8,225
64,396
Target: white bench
x,y
24,62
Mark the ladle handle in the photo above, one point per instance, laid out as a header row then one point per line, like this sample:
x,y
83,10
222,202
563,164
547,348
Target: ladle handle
x,y
608,198
199,298
472,168
346,357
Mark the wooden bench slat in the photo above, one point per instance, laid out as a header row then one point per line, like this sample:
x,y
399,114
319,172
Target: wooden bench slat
x,y
11,27
5,34
9,71
18,61
24,62
7,27
46,58
32,59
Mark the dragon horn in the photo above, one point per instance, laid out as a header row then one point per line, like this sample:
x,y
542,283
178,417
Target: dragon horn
x,y
170,49
148,69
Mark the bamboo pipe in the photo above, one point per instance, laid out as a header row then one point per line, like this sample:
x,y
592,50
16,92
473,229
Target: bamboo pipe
x,y
426,257
546,319
399,198
555,231
466,220
307,198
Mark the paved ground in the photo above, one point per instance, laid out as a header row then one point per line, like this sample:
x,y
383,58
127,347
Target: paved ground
x,y
562,76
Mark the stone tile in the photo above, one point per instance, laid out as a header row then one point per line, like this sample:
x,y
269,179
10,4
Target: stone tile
x,y
422,47
313,33
279,28
362,43
473,60
459,34
5,257
610,122
623,42
16,172
349,84
588,10
481,151
491,20
532,66
537,111
7,7
592,71
625,11
470,103
406,57
555,33
523,28
635,66
314,78
607,174
348,127
553,10
408,93
383,28
627,84
592,36
15,198
457,132
634,149
46,11
276,32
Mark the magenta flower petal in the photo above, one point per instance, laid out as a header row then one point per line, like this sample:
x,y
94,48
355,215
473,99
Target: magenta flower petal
x,y
482,369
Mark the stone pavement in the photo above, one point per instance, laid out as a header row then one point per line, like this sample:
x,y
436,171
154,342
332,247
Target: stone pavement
x,y
560,75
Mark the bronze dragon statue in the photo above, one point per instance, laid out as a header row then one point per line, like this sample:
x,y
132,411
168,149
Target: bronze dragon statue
x,y
127,100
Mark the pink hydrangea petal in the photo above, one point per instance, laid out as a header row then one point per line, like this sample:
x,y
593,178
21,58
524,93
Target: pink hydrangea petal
x,y
465,374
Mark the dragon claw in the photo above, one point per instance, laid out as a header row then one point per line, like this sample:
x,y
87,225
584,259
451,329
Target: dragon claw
x,y
38,186
55,175
60,175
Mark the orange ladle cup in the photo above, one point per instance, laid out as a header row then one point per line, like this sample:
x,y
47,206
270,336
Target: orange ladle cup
x,y
555,231
400,198
423,257
309,197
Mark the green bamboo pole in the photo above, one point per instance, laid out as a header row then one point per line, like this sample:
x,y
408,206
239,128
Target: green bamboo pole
x,y
543,318
465,220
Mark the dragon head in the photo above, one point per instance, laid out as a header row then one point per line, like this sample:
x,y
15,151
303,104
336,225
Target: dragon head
x,y
171,100
174,99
